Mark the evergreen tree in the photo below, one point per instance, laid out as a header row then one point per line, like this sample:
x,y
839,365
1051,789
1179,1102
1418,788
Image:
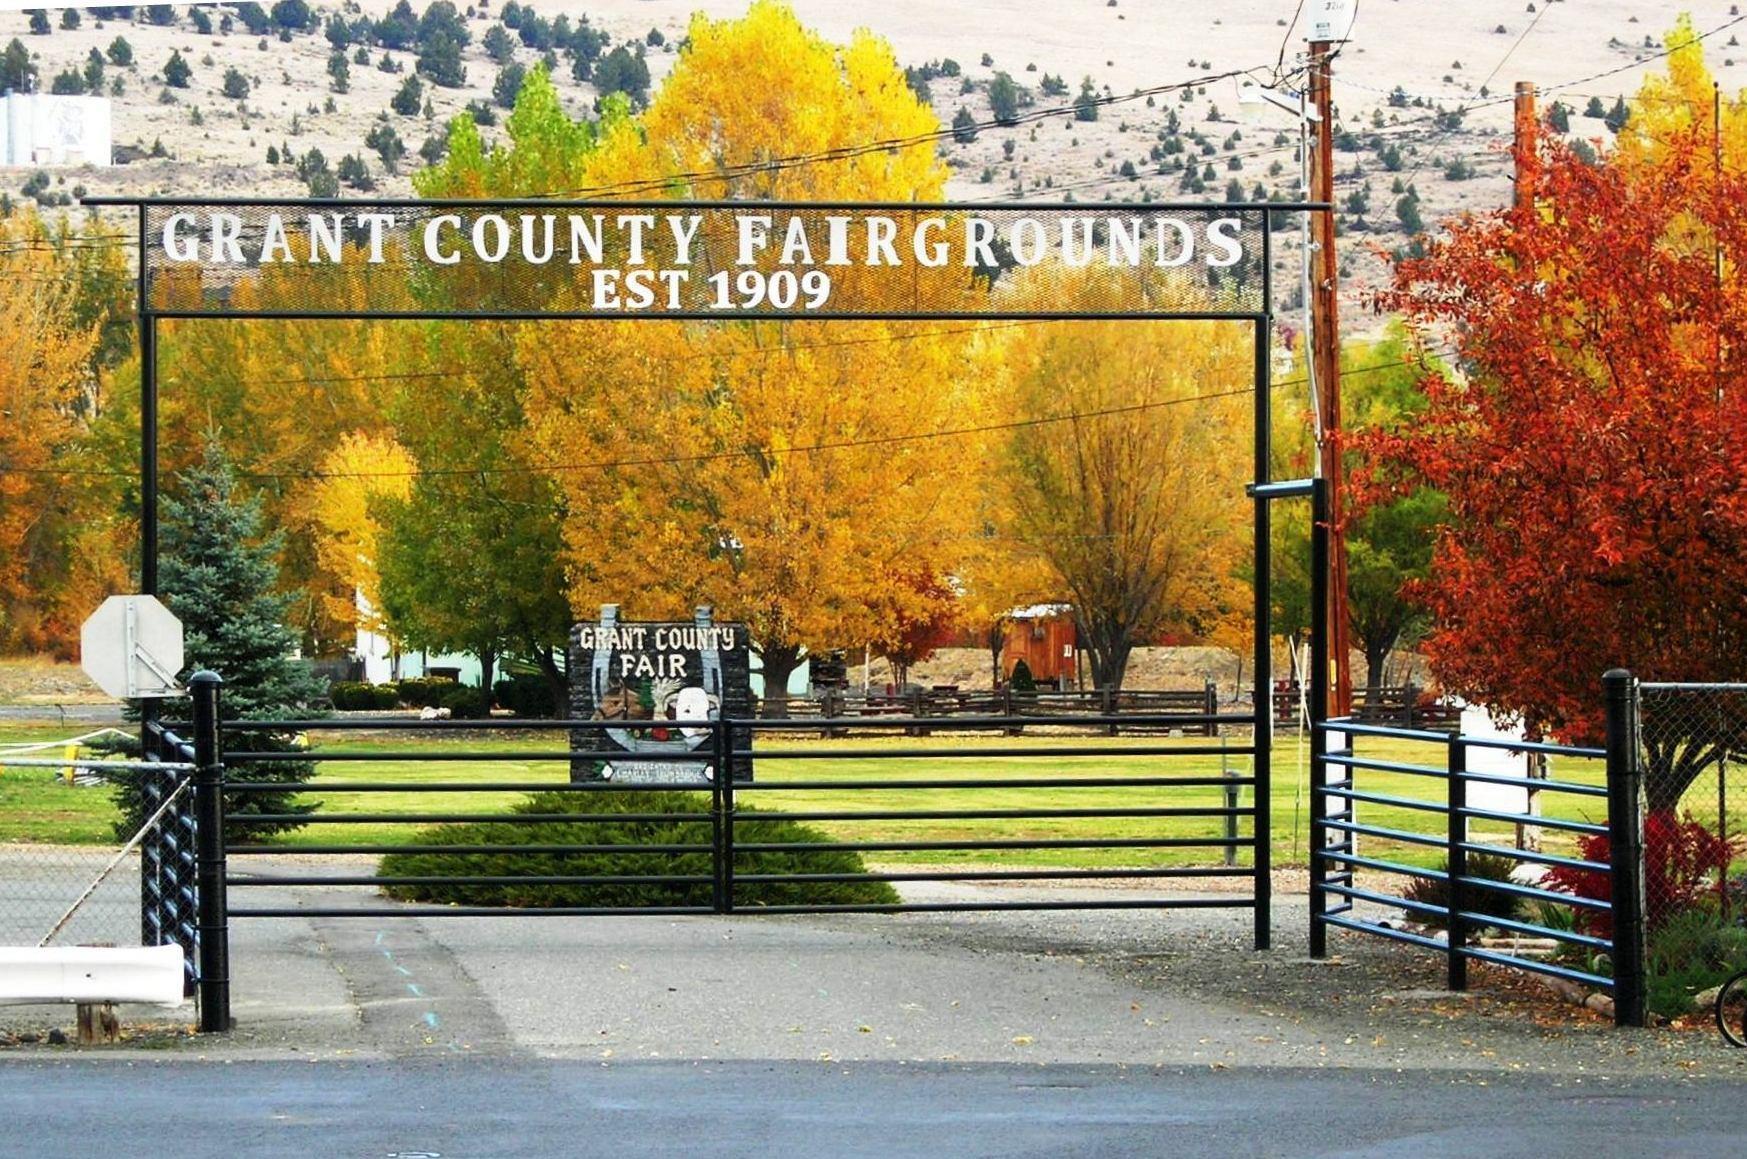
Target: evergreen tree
x,y
1086,104
621,71
387,144
406,102
498,45
1619,116
17,73
440,60
964,126
176,71
218,577
507,85
1004,98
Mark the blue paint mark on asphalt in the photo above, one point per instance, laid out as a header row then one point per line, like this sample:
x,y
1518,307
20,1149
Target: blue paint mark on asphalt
x,y
430,1018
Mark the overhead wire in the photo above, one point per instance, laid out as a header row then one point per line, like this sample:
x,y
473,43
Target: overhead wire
x,y
711,456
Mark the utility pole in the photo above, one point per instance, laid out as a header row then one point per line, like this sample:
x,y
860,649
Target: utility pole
x,y
1325,359
1522,189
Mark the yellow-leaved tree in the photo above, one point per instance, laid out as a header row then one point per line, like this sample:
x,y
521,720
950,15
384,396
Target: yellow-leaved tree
x,y
1682,101
359,473
1127,482
788,473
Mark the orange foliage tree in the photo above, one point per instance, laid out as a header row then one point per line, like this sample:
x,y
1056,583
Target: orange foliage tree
x,y
1594,452
59,530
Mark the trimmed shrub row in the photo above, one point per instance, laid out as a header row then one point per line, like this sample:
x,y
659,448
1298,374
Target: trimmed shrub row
x,y
820,856
463,701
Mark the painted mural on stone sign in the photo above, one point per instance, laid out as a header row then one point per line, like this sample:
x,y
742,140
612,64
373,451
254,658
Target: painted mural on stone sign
x,y
650,684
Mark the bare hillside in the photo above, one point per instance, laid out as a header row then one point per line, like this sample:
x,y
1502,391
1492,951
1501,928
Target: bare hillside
x,y
1440,56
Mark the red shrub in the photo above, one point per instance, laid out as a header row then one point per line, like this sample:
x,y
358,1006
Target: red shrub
x,y
1682,861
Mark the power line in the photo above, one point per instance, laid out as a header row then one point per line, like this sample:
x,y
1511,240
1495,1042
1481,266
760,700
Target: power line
x,y
765,352
1518,43
890,144
1280,63
674,460
845,444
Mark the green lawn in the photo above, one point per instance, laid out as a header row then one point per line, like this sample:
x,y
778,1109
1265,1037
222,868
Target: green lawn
x,y
36,806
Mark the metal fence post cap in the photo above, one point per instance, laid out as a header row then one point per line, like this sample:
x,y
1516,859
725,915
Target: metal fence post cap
x,y
205,676
1616,675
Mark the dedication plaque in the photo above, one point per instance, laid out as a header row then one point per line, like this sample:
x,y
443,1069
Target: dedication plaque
x,y
651,682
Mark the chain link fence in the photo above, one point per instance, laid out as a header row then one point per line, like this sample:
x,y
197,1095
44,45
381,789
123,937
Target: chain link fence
x,y
1692,745
72,872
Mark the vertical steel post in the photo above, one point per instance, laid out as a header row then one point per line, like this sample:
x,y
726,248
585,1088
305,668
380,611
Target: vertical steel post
x,y
728,843
1264,679
215,985
148,338
720,744
1625,809
1456,860
1319,714
153,854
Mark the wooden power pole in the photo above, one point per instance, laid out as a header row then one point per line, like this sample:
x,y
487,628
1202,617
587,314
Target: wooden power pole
x,y
1522,190
1325,361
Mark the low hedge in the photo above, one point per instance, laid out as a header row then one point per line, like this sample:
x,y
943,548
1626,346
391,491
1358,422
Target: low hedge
x,y
822,857
528,696
465,702
425,691
357,696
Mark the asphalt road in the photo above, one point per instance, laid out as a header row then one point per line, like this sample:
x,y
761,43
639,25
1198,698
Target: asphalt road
x,y
1079,1033
493,1107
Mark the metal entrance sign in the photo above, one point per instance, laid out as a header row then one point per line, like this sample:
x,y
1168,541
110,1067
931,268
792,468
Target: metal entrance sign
x,y
741,263
698,260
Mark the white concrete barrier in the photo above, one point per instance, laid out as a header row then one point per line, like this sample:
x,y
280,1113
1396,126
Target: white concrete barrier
x,y
30,975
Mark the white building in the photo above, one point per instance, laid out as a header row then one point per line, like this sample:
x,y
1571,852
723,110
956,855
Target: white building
x,y
43,129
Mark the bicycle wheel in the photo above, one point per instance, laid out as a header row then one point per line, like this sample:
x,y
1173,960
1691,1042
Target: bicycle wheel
x,y
1732,1010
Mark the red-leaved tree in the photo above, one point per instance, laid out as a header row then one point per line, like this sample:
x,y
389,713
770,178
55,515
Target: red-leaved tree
x,y
1593,447
924,617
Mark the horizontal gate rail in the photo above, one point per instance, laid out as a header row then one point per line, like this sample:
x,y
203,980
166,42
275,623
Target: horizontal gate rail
x,y
1130,720
1189,827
